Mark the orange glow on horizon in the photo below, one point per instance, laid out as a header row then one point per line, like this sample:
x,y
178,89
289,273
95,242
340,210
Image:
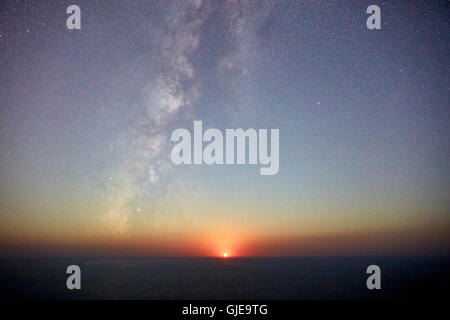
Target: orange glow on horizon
x,y
222,243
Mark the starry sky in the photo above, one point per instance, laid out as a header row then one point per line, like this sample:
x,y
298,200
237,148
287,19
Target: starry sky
x,y
86,117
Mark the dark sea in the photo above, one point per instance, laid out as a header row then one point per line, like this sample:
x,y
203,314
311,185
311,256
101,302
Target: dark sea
x,y
232,278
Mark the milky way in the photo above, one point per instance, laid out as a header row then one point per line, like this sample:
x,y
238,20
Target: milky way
x,y
86,117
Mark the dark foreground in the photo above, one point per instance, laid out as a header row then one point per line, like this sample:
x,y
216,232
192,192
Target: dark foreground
x,y
230,279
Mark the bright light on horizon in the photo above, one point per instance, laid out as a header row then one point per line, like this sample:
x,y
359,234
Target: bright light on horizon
x,y
225,254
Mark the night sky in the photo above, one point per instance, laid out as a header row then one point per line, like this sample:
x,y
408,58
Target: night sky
x,y
86,117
